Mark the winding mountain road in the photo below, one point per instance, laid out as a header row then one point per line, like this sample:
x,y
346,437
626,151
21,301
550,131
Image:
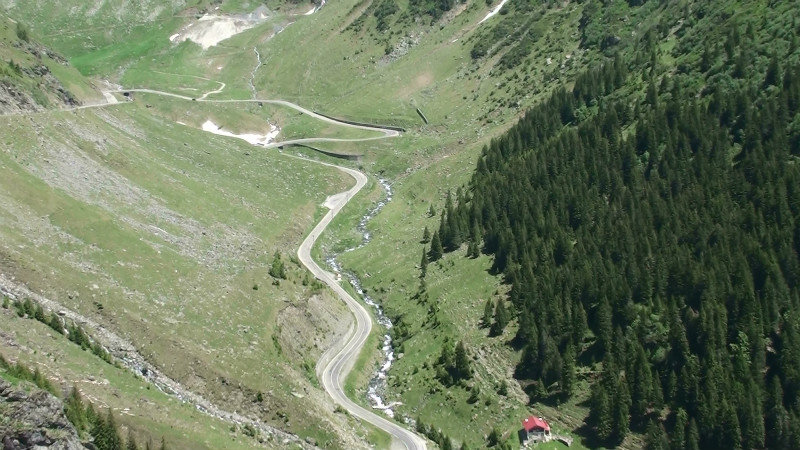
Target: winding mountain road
x,y
387,133
337,362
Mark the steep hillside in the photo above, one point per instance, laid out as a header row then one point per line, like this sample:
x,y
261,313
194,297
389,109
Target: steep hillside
x,y
31,415
624,239
33,77
650,201
102,216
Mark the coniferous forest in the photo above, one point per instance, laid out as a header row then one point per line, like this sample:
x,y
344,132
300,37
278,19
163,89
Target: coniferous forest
x,y
647,220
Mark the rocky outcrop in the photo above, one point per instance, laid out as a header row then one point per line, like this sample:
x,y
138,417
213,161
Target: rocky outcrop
x,y
15,100
34,419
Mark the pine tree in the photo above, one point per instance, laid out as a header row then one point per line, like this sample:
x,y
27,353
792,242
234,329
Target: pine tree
x,y
114,440
693,436
426,235
277,269
488,310
38,314
493,438
601,414
75,411
436,247
678,435
55,323
500,319
462,363
423,264
641,389
620,413
473,251
431,211
444,370
603,328
447,444
656,438
568,371
773,75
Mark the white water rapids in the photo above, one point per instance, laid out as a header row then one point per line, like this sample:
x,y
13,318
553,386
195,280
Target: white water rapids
x,y
377,386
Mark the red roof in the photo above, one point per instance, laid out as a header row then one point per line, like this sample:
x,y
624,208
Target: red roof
x,y
532,423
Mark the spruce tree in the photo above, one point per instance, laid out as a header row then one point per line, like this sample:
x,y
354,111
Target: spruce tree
x,y
423,264
656,438
488,310
620,413
462,364
501,319
74,410
693,436
426,235
55,323
601,414
567,382
436,247
277,269
678,435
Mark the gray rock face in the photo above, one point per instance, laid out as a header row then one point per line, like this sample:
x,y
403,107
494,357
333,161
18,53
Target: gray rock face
x,y
32,420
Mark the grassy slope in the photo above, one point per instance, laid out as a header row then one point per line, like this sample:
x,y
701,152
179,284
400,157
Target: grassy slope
x,y
460,286
12,48
318,64
168,229
250,118
136,404
466,104
436,75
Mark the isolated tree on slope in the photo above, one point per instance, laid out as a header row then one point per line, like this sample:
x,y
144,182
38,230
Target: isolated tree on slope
x,y
436,247
423,264
501,318
462,366
278,269
488,309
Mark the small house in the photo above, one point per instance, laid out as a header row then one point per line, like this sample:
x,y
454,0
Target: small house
x,y
535,429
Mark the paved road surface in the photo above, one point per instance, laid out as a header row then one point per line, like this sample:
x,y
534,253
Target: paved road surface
x,y
337,362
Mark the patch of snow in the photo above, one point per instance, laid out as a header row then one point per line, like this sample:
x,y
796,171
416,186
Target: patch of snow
x,y
315,8
252,138
493,12
110,99
211,29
